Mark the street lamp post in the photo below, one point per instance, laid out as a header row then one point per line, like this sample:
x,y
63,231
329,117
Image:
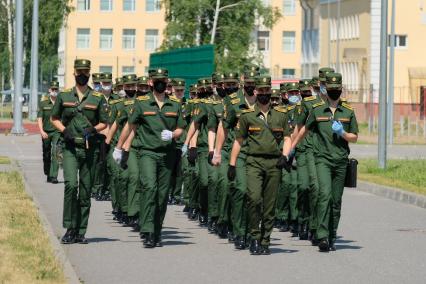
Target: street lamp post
x,y
34,64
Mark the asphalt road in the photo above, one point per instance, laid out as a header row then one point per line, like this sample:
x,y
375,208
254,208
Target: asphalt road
x,y
380,241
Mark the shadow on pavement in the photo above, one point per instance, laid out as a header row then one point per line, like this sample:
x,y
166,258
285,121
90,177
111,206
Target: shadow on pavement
x,y
101,240
341,247
280,250
176,243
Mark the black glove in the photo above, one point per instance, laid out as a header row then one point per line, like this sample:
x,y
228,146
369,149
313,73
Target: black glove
x,y
210,158
124,159
68,137
192,155
231,173
283,163
89,131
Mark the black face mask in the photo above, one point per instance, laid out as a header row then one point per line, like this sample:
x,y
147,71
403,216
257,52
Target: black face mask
x,y
202,95
81,79
274,103
130,93
231,90
334,94
209,93
249,90
264,98
306,94
221,92
141,93
285,101
160,86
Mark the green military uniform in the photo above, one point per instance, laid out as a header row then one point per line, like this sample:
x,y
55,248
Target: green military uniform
x,y
264,136
157,156
331,158
51,143
77,115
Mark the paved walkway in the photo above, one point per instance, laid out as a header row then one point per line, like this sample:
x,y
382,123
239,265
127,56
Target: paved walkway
x,y
381,241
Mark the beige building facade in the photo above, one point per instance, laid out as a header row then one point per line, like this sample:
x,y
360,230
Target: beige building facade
x,y
116,35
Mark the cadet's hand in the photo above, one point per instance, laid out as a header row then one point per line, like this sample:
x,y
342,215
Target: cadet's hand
x,y
231,173
184,150
44,135
124,158
68,137
166,135
217,158
117,155
283,163
337,128
210,158
192,155
89,130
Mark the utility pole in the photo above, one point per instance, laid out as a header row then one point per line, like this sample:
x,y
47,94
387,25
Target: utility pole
x,y
17,108
338,38
383,78
34,64
391,76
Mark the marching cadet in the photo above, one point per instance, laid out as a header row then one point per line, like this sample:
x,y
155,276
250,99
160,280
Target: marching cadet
x,y
96,82
49,134
275,98
160,121
264,129
335,124
78,113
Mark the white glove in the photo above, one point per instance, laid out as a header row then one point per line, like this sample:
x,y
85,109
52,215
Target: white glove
x,y
184,150
117,154
166,135
217,158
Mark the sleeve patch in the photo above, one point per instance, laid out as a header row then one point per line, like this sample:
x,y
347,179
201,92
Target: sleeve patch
x,y
345,105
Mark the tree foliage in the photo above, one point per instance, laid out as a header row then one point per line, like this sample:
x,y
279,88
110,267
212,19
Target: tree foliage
x,y
235,31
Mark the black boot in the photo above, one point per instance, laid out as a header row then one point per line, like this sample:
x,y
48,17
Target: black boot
x,y
186,209
303,234
283,226
81,239
240,243
265,250
255,247
212,226
222,231
69,237
149,241
54,180
323,245
202,218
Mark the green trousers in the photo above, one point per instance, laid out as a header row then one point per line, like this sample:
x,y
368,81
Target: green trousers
x,y
331,180
313,189
177,177
134,182
99,171
238,192
77,177
156,177
303,205
262,179
186,180
113,173
286,206
50,159
208,186
223,193
192,185
121,189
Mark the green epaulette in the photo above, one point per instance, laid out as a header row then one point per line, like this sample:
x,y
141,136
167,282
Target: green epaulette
x,y
67,90
345,105
96,94
233,96
280,109
318,104
247,110
235,101
308,99
129,102
174,99
113,102
290,107
195,101
299,104
207,101
142,98
344,100
44,98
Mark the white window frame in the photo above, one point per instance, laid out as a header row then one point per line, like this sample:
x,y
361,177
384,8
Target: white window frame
x,y
153,38
397,41
291,41
292,5
110,4
108,38
86,4
102,69
128,38
123,72
266,39
133,3
157,5
288,76
83,38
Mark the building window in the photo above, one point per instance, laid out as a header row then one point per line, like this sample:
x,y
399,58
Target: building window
x,y
399,42
105,39
106,5
263,40
289,7
83,5
151,40
129,5
129,38
152,5
288,73
105,69
289,41
83,38
128,70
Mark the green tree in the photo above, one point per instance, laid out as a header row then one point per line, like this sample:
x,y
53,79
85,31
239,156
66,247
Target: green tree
x,y
190,23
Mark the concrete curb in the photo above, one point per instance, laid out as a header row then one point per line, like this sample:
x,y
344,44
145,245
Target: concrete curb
x,y
393,193
69,272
